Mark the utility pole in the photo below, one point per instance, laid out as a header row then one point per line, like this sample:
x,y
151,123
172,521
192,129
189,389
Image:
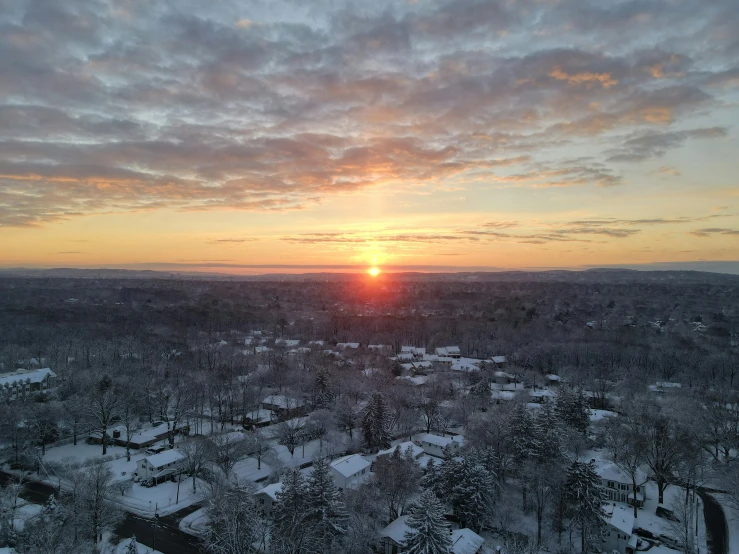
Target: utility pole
x,y
156,518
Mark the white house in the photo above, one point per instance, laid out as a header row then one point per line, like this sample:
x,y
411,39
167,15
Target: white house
x,y
349,471
393,535
435,444
464,541
413,351
416,451
22,382
618,486
266,497
619,535
161,466
448,351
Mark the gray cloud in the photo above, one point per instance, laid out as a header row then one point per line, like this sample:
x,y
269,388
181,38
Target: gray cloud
x,y
707,232
115,106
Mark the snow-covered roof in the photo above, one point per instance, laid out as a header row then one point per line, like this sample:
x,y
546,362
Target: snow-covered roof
x,y
25,376
289,343
347,345
416,350
441,441
417,380
503,395
621,518
447,351
499,359
543,393
611,472
465,541
379,347
552,377
466,364
271,490
164,458
350,465
416,450
317,342
397,529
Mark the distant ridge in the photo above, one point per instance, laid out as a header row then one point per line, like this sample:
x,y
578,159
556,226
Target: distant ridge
x,y
695,272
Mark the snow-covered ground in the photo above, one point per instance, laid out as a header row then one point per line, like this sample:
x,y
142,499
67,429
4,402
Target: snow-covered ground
x,y
163,497
195,524
121,547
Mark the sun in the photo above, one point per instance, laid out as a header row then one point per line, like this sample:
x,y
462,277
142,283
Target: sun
x,y
373,271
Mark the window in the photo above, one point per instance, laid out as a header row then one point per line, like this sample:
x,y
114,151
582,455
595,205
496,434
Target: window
x,y
610,484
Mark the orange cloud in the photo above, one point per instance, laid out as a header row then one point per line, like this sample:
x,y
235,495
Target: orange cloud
x,y
606,80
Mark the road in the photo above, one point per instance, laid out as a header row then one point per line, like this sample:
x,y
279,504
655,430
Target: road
x,y
716,526
169,539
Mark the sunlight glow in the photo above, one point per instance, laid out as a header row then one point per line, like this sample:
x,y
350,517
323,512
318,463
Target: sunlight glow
x,y
373,271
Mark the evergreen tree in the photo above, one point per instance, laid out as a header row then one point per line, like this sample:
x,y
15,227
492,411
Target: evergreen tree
x,y
324,394
429,531
584,498
133,547
376,422
288,513
325,516
474,495
481,388
573,410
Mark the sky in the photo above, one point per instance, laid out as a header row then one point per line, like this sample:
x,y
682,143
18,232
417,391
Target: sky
x,y
244,135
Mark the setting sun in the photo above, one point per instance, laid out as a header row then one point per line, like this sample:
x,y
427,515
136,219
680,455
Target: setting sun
x,y
374,271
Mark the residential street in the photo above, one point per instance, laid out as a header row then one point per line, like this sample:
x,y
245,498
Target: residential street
x,y
169,539
716,525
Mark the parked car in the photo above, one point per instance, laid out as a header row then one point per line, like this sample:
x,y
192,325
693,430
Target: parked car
x,y
148,483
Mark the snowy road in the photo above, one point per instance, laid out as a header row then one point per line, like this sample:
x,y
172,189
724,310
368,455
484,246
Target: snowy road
x,y
716,525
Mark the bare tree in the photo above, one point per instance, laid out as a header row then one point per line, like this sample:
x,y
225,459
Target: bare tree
x,y
103,407
101,514
197,452
228,449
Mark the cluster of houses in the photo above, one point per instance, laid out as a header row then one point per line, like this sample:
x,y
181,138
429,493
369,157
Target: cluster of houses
x,y
21,383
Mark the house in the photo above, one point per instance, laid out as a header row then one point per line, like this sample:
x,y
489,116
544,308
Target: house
x,y
393,536
466,541
22,382
349,471
380,347
448,351
266,498
467,365
416,451
142,438
499,361
160,466
619,535
542,395
284,407
435,444
345,345
414,351
618,486
287,343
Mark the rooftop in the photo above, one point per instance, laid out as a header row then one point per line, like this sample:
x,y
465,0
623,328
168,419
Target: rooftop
x,y
271,490
466,541
164,458
350,465
25,376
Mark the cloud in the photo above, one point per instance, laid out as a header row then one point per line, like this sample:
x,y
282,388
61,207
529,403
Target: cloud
x,y
276,106
654,145
232,240
710,231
